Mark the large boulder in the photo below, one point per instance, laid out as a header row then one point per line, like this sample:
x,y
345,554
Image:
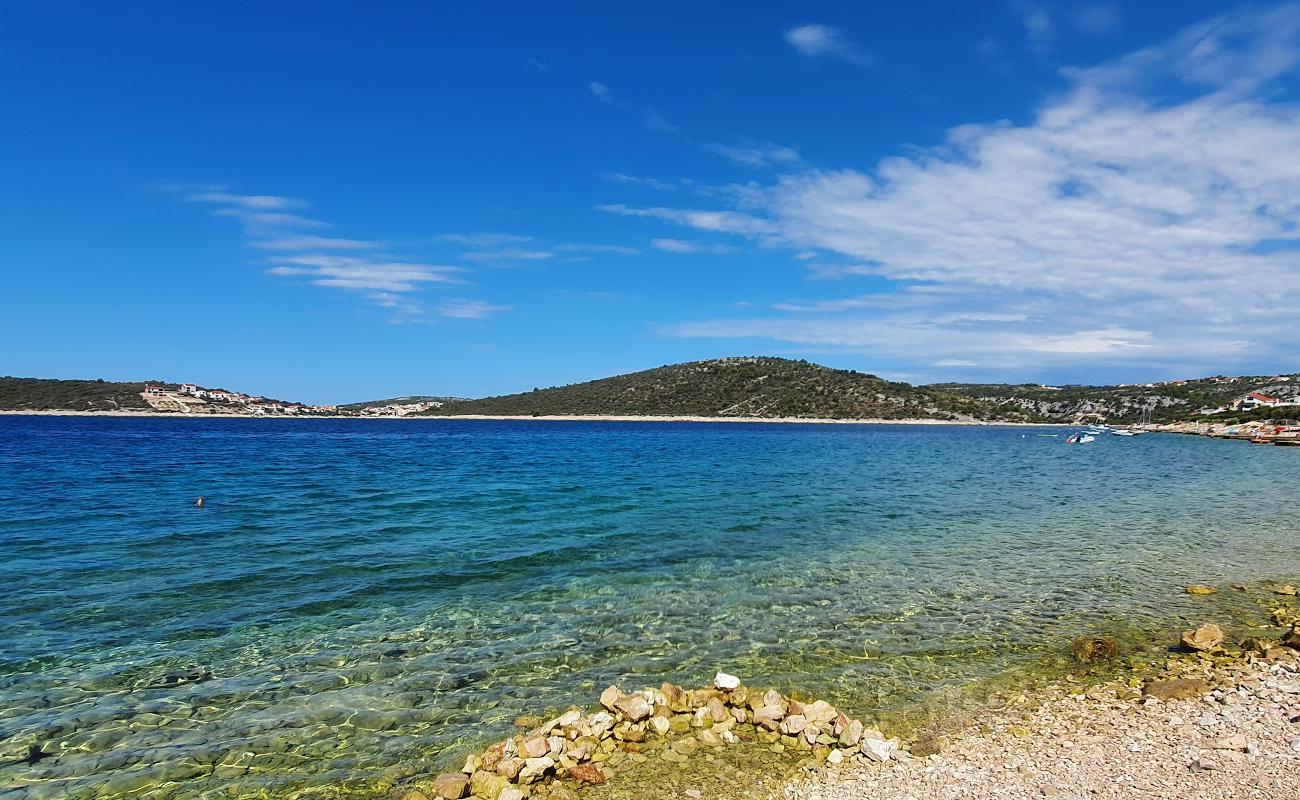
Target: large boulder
x,y
769,717
878,749
1206,637
535,748
635,707
852,733
535,768
676,697
451,786
610,696
487,784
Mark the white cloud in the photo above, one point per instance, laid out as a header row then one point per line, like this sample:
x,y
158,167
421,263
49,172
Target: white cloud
x,y
469,309
756,154
1114,228
1040,29
362,274
483,239
268,221
718,221
815,39
508,254
633,180
300,242
601,92
584,247
683,246
384,280
258,202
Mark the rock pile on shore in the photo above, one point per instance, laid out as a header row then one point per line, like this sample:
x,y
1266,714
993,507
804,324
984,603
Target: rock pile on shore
x,y
670,723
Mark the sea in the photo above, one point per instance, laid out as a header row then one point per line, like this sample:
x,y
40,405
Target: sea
x,y
358,600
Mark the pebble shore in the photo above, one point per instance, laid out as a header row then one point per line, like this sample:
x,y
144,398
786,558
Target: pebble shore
x,y
1239,739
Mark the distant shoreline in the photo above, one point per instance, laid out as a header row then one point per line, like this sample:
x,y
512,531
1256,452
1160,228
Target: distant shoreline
x,y
547,418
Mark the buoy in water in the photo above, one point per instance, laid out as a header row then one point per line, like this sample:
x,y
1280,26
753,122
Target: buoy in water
x,y
198,503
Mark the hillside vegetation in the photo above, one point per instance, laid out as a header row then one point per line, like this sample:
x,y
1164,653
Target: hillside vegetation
x,y
414,398
741,387
46,394
1168,402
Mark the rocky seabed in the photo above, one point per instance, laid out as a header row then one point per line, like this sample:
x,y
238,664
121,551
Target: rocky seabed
x,y
557,757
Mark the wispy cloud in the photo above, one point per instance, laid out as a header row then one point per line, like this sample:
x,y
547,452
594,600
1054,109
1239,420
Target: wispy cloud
x,y
717,221
1040,28
586,247
300,242
655,121
755,153
483,239
1125,224
632,180
687,247
511,247
508,254
601,92
470,309
388,281
815,39
1095,20
651,119
258,202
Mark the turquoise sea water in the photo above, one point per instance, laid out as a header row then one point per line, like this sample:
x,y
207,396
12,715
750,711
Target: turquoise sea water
x,y
370,597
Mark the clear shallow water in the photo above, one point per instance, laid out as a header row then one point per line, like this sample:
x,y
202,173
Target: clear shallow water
x,y
370,593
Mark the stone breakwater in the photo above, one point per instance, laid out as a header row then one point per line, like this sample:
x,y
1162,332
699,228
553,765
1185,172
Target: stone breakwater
x,y
555,758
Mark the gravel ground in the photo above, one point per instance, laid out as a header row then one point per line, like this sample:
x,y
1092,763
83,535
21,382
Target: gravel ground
x,y
1240,741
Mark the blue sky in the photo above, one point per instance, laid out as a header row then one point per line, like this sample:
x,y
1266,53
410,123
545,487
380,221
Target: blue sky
x,y
338,201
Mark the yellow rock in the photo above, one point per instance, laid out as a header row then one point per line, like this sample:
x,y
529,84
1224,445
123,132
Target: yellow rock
x,y
1201,590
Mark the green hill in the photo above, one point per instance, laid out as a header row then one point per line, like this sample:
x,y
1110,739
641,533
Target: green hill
x,y
740,387
47,394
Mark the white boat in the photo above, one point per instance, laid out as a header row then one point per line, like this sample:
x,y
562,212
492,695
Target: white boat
x,y
1080,438
1128,432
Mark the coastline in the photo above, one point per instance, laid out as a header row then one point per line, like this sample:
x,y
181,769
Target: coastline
x,y
547,418
1210,716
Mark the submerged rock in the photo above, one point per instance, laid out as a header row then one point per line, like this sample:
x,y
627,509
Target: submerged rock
x,y
1206,637
1198,589
1087,649
586,773
1288,590
1181,689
